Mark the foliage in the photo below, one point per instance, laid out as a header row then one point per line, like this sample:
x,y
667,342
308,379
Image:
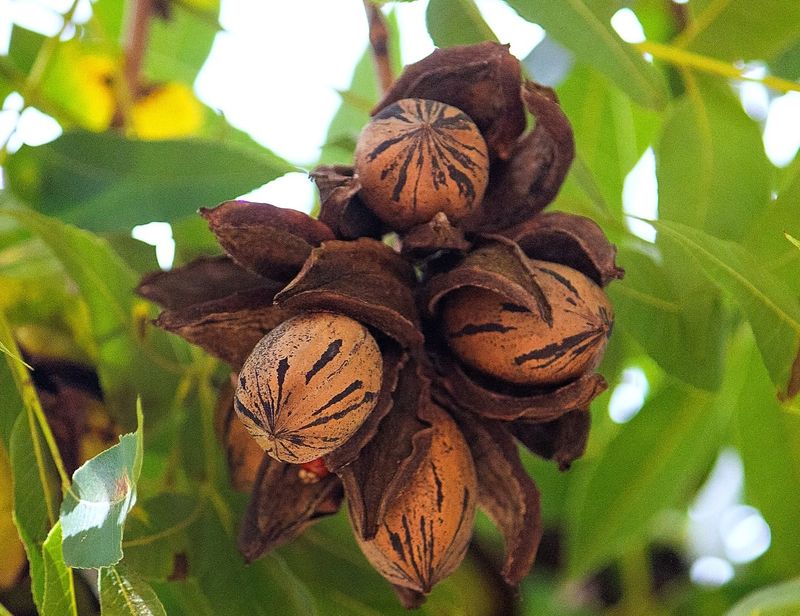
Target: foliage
x,y
708,312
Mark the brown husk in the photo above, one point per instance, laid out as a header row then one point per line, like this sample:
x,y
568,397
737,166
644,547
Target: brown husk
x,y
283,505
562,440
389,460
363,279
482,80
270,241
530,179
505,492
202,280
340,206
571,240
228,328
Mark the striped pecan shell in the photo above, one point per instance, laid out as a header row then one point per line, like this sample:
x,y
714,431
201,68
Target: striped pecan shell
x,y
308,385
510,342
418,157
426,529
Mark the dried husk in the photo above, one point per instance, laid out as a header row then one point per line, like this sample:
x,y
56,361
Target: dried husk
x,y
230,327
203,280
390,459
426,528
562,440
340,206
575,241
505,491
482,80
530,179
242,452
363,279
269,241
283,505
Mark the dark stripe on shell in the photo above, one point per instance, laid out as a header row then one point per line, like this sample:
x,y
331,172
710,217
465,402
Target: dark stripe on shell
x,y
556,349
482,328
354,386
331,352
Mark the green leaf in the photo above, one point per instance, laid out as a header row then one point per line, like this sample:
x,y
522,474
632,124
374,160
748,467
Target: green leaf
x,y
177,47
611,133
767,239
259,587
778,600
718,30
576,26
59,591
650,295
787,65
124,594
127,364
766,441
772,310
158,530
183,598
712,171
35,497
106,182
94,509
456,22
651,463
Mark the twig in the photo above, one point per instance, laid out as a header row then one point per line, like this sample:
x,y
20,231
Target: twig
x,y
138,29
379,40
688,59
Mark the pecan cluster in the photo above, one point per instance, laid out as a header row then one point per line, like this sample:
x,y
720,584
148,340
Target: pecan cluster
x,y
394,351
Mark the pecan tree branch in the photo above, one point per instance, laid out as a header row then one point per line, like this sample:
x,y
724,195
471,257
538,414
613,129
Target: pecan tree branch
x,y
379,41
136,35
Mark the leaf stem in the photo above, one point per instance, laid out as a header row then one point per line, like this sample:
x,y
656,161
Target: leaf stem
x,y
379,41
688,59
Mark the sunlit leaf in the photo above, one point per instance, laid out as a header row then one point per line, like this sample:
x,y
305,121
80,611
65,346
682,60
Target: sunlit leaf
x,y
124,594
773,311
765,438
778,600
12,552
168,111
178,46
104,181
128,364
729,31
711,167
651,463
94,509
611,133
59,592
575,25
682,330
456,22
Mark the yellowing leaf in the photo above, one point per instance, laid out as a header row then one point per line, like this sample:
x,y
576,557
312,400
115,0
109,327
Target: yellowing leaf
x,y
82,83
12,552
169,111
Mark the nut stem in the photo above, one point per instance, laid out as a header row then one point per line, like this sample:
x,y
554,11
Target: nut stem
x,y
379,41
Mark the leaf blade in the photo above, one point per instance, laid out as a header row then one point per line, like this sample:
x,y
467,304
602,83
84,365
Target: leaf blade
x,y
94,510
578,28
772,310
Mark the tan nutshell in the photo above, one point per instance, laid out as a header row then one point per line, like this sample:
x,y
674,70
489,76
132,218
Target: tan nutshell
x,y
426,531
308,385
418,157
489,333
